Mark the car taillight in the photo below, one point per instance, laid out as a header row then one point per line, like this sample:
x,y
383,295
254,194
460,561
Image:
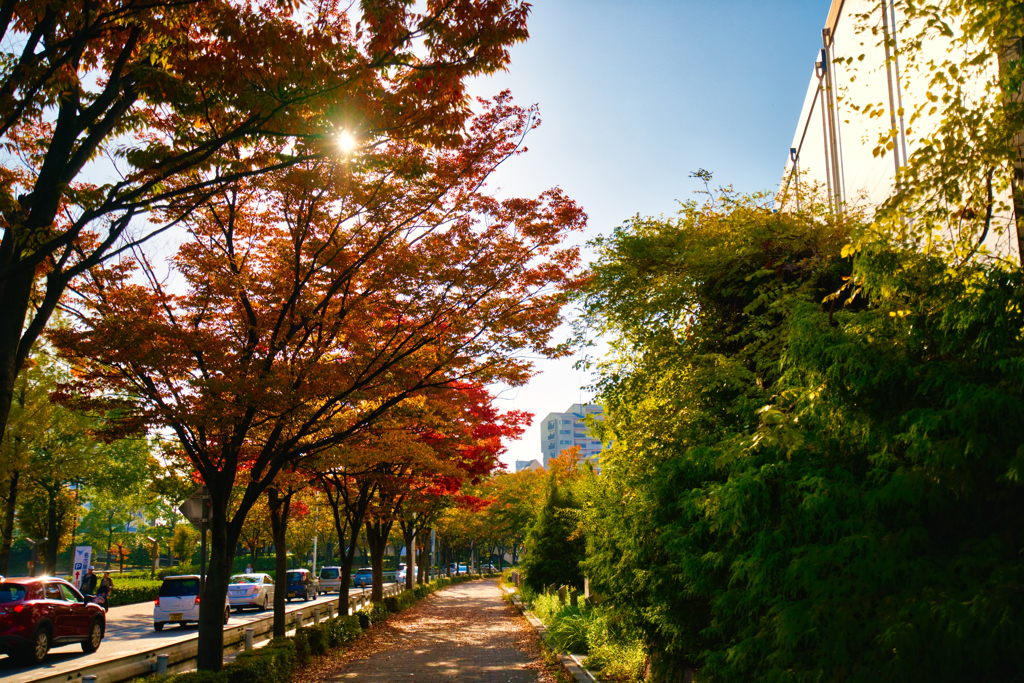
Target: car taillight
x,y
197,599
157,600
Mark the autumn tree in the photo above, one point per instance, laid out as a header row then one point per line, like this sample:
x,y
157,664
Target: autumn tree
x,y
184,542
315,300
515,498
111,110
255,533
314,528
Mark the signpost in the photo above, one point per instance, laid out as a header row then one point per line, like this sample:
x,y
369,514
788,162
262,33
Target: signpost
x,y
197,511
83,558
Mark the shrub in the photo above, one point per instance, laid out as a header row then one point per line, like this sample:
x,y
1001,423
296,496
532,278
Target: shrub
x,y
302,650
397,603
195,677
317,636
132,591
620,658
273,663
343,629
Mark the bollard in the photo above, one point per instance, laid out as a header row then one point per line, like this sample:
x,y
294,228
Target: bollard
x,y
161,665
248,638
330,611
316,615
561,595
574,598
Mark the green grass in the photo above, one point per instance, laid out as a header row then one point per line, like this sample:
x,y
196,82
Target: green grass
x,y
584,629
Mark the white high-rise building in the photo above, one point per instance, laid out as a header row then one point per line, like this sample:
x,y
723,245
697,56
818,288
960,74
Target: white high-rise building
x,y
562,431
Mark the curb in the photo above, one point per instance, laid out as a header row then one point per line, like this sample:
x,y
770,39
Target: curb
x,y
571,663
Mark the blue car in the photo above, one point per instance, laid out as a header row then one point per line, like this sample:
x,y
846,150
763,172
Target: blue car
x,y
363,577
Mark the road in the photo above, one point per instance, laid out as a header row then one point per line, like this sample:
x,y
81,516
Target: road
x,y
129,631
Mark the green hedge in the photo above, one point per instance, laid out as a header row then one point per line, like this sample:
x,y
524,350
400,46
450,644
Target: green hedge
x,y
132,591
397,603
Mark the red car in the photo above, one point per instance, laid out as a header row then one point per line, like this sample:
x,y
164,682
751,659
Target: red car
x,y
36,614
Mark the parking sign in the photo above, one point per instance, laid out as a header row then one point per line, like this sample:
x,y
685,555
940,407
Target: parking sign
x,y
83,556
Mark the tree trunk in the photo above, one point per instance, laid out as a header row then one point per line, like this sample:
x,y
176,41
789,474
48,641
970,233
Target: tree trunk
x,y
421,563
410,558
8,534
377,533
279,508
223,537
110,538
15,295
52,535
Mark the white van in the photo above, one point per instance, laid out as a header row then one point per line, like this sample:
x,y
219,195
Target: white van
x,y
178,602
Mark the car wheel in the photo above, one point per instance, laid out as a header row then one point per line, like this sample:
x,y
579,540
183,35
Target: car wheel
x,y
238,609
36,652
158,626
263,607
227,614
92,643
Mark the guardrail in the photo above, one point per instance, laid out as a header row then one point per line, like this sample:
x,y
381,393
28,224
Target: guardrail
x,y
182,656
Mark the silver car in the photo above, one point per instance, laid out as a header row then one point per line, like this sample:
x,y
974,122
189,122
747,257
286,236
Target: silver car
x,y
330,579
251,590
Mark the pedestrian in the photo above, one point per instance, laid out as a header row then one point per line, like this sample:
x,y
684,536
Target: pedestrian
x,y
248,569
89,582
106,590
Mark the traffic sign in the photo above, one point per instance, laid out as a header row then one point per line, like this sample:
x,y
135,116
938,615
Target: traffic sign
x,y
197,508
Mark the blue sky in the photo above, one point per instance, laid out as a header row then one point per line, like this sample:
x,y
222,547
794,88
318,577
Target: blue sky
x,y
634,96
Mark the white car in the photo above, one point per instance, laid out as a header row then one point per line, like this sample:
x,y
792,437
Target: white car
x,y
400,573
178,602
251,590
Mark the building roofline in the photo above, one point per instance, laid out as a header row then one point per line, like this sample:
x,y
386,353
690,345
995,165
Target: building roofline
x,y
833,18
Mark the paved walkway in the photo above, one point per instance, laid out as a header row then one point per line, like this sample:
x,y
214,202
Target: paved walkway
x,y
465,633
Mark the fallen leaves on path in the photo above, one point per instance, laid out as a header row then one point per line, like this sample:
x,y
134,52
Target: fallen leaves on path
x,y
451,614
